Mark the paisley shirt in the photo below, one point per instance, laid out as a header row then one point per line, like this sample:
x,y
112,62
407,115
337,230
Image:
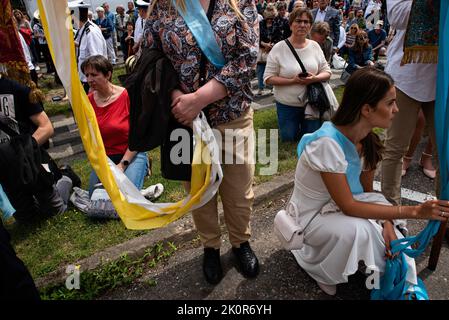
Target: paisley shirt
x,y
238,39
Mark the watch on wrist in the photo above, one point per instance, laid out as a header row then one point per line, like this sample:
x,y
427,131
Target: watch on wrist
x,y
125,162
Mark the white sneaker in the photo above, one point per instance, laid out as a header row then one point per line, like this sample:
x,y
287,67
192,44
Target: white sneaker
x,y
153,192
330,289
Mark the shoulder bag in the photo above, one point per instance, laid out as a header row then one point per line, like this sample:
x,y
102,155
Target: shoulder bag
x,y
316,94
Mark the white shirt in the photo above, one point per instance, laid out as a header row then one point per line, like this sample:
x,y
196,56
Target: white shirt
x,y
91,43
138,30
320,15
417,80
26,52
342,38
281,62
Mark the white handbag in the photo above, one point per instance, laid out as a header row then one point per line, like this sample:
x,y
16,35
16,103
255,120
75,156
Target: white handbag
x,y
287,228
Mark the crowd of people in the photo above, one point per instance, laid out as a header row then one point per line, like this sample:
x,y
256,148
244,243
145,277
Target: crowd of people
x,y
276,41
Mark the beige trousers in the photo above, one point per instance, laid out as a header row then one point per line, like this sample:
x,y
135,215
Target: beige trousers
x,y
235,191
398,139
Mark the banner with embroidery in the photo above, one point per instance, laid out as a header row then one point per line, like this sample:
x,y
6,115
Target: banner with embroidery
x,y
421,38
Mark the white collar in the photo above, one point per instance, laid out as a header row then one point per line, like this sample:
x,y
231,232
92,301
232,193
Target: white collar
x,y
325,10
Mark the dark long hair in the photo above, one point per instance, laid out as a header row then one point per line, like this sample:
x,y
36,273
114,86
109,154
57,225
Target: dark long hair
x,y
365,86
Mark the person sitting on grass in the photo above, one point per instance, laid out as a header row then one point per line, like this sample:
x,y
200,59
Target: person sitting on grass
x,y
32,184
111,105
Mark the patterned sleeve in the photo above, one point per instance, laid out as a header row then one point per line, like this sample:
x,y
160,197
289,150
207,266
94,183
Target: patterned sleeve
x,y
151,30
237,72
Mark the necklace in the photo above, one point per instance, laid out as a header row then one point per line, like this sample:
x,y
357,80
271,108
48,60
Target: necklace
x,y
109,97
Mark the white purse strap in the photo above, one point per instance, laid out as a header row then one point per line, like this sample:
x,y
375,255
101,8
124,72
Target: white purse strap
x,y
295,210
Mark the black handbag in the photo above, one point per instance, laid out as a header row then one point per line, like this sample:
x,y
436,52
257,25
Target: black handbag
x,y
316,95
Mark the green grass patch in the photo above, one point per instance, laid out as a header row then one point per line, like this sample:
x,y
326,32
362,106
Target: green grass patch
x,y
54,108
71,236
111,275
67,238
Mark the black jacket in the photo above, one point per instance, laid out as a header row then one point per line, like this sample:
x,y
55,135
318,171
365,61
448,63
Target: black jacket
x,y
149,88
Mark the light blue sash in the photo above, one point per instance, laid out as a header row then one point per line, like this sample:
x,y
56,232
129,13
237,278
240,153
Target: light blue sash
x,y
199,25
5,205
352,157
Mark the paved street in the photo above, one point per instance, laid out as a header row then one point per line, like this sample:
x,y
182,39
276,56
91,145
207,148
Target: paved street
x,y
281,278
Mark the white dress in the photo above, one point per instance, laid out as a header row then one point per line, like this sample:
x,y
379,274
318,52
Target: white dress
x,y
334,243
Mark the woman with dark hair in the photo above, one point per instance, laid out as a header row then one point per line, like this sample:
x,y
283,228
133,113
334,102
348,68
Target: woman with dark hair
x,y
127,40
111,105
333,184
360,54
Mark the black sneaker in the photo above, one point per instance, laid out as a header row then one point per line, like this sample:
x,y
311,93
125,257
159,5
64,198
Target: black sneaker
x,y
68,171
212,265
247,260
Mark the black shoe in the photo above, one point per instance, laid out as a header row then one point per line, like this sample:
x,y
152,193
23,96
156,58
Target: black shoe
x,y
247,260
68,171
212,266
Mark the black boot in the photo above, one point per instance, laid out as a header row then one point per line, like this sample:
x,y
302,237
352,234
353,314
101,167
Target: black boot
x,y
212,266
247,260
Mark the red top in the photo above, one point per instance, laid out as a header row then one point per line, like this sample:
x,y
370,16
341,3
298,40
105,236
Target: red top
x,y
113,120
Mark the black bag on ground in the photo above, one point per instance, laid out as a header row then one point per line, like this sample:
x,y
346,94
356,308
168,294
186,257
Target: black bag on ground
x,y
316,95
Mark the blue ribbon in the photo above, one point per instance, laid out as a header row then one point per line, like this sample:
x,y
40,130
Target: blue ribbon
x,y
393,285
351,155
199,25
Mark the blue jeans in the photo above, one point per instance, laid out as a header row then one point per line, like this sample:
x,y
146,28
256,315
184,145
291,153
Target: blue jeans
x,y
136,172
292,124
260,70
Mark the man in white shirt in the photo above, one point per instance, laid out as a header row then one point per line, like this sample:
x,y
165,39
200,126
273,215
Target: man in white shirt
x,y
416,89
89,41
142,6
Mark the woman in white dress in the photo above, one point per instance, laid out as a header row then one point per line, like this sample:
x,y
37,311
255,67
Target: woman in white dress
x,y
353,224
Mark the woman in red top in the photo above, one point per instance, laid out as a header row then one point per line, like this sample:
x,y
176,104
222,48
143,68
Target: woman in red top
x,y
111,106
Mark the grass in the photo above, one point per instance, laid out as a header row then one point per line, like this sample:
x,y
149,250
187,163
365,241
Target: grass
x,y
48,87
124,271
69,237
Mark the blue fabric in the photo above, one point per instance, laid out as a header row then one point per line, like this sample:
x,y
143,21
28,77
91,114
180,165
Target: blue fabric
x,y
442,102
199,25
351,155
136,172
359,59
375,39
5,206
105,23
260,69
292,124
393,285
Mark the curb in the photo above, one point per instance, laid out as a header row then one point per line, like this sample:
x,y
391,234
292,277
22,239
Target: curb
x,y
181,229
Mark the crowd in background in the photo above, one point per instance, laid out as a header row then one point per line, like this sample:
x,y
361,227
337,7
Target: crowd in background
x,y
357,30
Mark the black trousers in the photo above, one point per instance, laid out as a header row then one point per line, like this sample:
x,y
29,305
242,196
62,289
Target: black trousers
x,y
16,282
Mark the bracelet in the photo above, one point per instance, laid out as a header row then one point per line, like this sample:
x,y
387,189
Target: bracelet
x,y
399,211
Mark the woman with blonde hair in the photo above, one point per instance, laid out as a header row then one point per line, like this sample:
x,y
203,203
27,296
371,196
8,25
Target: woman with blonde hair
x,y
215,78
350,39
360,54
